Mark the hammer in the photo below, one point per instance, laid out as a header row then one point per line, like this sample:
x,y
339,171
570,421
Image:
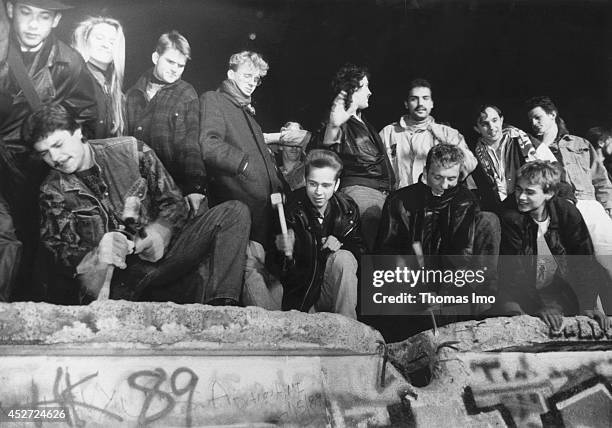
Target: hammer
x,y
130,216
277,201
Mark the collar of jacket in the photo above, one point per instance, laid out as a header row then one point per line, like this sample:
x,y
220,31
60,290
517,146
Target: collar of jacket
x,y
337,203
404,123
551,208
248,108
444,198
70,182
50,43
143,80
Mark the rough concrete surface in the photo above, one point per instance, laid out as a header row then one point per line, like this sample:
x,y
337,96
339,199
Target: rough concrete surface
x,y
179,326
128,364
508,372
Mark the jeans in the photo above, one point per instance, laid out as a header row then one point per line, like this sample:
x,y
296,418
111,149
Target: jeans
x,y
600,229
370,203
339,288
260,287
204,262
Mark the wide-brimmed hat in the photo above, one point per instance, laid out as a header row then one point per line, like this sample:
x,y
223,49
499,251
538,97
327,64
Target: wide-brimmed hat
x,y
45,4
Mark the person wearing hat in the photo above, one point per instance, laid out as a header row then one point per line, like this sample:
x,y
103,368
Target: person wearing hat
x,y
38,70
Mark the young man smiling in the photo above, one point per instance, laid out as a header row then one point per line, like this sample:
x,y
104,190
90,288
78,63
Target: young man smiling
x,y
547,268
324,242
500,150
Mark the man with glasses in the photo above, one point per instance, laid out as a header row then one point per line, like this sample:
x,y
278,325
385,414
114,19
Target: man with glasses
x,y
239,164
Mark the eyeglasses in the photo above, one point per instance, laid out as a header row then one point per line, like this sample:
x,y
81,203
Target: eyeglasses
x,y
256,79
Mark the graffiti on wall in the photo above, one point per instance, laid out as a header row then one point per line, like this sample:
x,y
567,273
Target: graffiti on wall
x,y
171,395
560,389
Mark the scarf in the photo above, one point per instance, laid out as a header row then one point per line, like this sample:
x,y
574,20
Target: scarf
x,y
230,88
415,126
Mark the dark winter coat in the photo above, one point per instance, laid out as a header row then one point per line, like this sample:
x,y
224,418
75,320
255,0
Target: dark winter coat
x,y
231,138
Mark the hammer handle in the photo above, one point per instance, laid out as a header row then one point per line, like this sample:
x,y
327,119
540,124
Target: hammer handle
x,y
104,293
281,219
283,224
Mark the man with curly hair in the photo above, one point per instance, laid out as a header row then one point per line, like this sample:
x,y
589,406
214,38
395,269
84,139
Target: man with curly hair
x,y
368,176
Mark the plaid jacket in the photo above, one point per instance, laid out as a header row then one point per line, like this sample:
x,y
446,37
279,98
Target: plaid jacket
x,y
170,124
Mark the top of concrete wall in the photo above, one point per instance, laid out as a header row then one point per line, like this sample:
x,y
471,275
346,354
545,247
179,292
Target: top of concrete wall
x,y
126,325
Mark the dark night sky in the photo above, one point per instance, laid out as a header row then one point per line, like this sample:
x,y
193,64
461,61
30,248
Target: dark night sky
x,y
473,51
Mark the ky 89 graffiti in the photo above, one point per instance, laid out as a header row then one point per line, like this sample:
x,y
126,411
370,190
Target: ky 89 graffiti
x,y
159,377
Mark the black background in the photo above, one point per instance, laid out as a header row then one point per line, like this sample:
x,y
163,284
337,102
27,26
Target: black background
x,y
473,51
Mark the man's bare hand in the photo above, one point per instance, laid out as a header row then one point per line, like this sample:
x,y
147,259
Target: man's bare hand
x,y
332,243
338,114
600,317
552,317
285,243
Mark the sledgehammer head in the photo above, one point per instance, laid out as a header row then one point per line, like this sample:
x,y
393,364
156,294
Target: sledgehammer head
x,y
276,199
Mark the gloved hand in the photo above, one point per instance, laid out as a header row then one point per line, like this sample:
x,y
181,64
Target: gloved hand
x,y
151,248
113,248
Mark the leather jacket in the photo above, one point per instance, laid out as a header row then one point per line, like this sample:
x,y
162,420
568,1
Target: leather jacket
x,y
61,77
363,155
302,276
567,235
444,225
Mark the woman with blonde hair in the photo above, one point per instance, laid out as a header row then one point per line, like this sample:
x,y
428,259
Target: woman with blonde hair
x,y
101,42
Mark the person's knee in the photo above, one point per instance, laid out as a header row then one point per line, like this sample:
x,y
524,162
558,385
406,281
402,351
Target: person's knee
x,y
343,260
239,210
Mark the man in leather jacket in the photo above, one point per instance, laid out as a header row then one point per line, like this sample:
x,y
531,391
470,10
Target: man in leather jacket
x,y
109,207
53,74
323,244
439,218
547,265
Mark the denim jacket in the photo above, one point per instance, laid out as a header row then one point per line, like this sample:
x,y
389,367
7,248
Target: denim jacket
x,y
73,220
585,171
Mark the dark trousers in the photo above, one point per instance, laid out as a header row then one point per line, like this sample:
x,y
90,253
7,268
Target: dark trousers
x,y
10,252
205,261
20,178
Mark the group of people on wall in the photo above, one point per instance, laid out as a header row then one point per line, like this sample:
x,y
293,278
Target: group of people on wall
x,y
169,196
